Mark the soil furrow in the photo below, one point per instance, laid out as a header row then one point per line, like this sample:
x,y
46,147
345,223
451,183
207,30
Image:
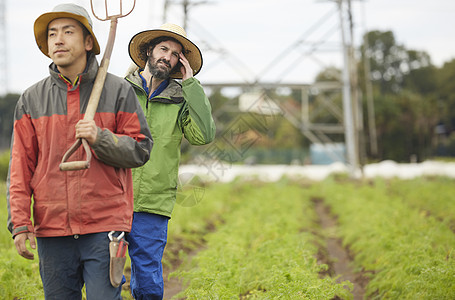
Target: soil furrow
x,y
337,257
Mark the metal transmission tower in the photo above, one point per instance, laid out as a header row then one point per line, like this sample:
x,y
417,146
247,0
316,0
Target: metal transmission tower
x,y
209,43
186,4
3,50
316,97
348,117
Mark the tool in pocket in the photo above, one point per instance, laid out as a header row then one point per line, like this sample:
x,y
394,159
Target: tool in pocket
x,y
117,253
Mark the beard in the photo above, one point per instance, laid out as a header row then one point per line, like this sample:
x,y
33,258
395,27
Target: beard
x,y
158,70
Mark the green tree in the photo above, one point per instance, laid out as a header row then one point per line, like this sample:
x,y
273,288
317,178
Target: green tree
x,y
7,105
446,94
405,125
404,90
391,64
327,105
421,75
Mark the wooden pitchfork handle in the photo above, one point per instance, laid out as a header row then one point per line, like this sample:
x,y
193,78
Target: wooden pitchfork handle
x,y
95,95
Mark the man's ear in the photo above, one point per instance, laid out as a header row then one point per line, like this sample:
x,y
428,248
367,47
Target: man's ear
x,y
88,43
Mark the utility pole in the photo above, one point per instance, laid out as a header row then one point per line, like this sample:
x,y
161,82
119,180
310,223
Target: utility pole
x,y
186,5
369,94
166,5
349,121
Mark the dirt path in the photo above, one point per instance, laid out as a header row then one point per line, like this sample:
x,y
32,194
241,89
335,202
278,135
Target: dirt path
x,y
172,286
338,258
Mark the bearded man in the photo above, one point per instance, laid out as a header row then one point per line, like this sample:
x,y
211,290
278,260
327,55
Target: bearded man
x,y
173,109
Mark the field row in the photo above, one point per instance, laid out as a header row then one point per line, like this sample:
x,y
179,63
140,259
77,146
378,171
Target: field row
x,y
398,232
264,249
410,252
431,196
263,240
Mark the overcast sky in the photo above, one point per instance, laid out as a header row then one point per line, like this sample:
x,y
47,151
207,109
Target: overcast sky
x,y
244,40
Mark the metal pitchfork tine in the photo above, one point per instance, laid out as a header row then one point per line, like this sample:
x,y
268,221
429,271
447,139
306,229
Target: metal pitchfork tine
x,y
96,92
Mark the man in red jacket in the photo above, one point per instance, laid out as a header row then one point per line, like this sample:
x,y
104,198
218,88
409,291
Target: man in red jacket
x,y
73,211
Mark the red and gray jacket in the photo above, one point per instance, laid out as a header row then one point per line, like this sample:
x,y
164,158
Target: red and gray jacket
x,y
93,200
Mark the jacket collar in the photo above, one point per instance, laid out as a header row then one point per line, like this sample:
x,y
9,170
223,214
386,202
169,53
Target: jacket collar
x,y
88,76
171,94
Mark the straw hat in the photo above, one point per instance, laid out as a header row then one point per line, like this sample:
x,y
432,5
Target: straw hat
x,y
69,10
192,52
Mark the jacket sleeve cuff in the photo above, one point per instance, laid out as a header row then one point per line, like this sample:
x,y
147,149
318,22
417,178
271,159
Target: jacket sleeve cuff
x,y
19,230
97,142
189,81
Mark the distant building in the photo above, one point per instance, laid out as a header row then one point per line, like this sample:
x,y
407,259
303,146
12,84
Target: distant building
x,y
326,154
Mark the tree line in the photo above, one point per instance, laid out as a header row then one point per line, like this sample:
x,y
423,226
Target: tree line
x,y
414,100
414,105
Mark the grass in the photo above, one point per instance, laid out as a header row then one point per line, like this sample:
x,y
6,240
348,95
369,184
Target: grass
x,y
259,241
411,254
263,249
19,277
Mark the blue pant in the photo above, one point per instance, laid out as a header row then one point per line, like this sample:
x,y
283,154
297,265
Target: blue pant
x,y
66,263
147,240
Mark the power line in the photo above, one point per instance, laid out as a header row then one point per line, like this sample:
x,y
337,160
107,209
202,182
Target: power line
x,y
347,116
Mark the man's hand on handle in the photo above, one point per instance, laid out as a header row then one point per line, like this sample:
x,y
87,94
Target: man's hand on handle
x,y
86,129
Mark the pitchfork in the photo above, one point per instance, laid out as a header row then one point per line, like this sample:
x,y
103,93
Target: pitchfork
x,y
96,91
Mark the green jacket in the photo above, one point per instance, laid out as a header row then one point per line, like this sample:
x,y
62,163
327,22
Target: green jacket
x,y
180,110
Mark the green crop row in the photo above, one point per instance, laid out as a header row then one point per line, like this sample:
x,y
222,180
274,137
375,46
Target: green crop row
x,y
259,241
199,210
433,196
410,254
263,249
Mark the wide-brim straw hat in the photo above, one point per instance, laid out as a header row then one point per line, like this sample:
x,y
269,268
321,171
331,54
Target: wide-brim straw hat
x,y
69,10
192,52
